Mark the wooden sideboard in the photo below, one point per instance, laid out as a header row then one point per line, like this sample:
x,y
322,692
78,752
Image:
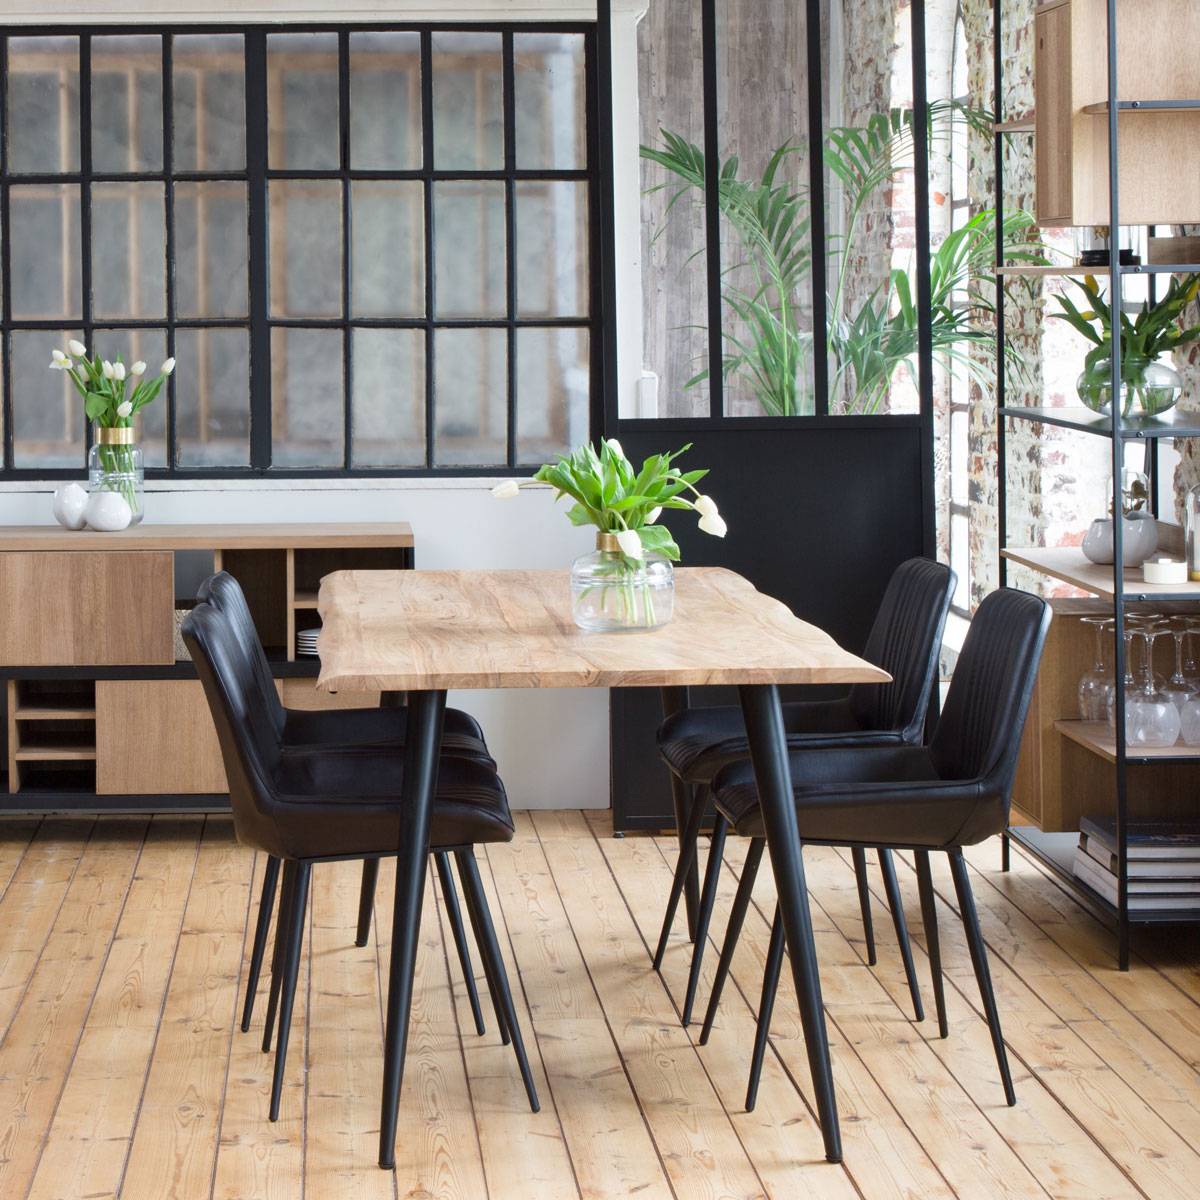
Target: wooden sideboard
x,y
100,714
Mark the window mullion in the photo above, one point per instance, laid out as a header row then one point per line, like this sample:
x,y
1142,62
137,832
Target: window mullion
x,y
85,206
510,240
256,199
347,217
427,151
168,152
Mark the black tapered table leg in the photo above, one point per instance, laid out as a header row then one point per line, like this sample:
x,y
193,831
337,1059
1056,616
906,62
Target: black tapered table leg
x,y
265,904
422,749
366,900
685,866
864,901
454,912
675,699
769,754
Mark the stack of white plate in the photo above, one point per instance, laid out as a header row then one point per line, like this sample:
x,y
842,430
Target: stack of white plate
x,y
306,642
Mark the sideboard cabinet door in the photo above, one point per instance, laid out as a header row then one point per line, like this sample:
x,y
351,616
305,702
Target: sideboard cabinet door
x,y
86,608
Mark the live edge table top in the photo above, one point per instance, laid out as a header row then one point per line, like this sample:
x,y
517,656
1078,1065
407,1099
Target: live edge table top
x,y
398,631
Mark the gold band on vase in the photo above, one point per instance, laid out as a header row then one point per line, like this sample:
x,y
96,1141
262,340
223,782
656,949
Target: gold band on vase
x,y
607,542
108,435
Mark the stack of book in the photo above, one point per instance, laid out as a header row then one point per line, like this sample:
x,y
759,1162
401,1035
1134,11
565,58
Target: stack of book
x,y
1163,862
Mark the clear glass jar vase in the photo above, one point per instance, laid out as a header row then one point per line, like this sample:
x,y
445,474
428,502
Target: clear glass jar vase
x,y
1148,386
115,464
613,593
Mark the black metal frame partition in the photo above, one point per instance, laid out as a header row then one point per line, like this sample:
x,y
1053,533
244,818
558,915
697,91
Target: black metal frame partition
x,y
256,174
1120,431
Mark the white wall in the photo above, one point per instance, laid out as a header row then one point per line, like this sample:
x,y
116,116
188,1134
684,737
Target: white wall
x,y
551,746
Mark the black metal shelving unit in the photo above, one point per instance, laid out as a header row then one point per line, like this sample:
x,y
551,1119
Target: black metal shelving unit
x,y
1055,850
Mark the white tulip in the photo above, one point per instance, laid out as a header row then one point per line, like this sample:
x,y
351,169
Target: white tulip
x,y
125,409
615,447
119,372
58,360
108,370
78,349
653,515
714,525
630,543
506,490
168,366
706,506
138,368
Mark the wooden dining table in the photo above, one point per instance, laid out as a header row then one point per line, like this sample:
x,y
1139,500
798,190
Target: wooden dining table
x,y
423,632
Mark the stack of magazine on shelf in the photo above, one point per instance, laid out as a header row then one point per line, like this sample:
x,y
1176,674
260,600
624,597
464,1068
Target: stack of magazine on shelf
x,y
1163,858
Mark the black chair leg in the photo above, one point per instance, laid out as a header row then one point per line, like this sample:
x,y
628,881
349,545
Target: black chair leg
x,y
366,899
892,885
864,901
737,916
966,904
708,899
929,917
291,968
684,869
766,1007
489,949
265,904
454,912
281,935
489,973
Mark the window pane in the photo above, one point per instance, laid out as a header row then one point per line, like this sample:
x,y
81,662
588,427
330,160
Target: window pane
x,y
553,389
208,72
127,104
48,420
129,250
150,346
43,104
306,248
389,398
44,227
960,457
468,101
210,250
552,250
960,558
302,93
385,101
471,413
469,254
550,110
212,398
387,232
307,398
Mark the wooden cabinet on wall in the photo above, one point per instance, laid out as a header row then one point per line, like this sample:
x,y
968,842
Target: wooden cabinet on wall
x,y
1159,147
100,713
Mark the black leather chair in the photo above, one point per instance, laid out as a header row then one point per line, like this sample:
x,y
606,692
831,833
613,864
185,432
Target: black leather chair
x,y
298,728
952,793
303,806
697,743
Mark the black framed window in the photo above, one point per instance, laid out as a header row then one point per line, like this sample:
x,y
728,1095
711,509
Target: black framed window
x,y
370,249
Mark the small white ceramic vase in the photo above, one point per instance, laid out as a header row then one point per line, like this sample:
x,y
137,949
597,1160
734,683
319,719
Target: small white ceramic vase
x,y
70,505
1139,534
108,512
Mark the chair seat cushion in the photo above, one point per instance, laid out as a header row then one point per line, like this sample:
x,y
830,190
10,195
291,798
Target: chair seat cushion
x,y
462,735
347,801
881,796
697,743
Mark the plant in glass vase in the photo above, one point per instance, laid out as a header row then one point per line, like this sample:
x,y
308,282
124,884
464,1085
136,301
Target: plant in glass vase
x,y
1152,385
112,397
627,582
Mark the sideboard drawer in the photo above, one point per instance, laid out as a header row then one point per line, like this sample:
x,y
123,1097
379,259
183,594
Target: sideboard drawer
x,y
86,608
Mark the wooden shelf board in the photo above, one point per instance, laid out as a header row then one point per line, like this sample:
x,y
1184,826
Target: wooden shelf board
x,y
1033,270
304,600
67,751
33,712
1099,739
1143,106
1067,563
273,536
1017,125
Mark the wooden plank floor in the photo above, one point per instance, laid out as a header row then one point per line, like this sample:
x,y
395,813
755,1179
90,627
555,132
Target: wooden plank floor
x,y
124,946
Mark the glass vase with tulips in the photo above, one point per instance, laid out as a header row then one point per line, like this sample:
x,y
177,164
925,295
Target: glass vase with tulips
x,y
113,395
627,582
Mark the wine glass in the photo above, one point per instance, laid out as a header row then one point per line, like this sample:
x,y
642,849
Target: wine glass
x,y
1189,712
1096,684
1151,718
1127,683
1179,687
